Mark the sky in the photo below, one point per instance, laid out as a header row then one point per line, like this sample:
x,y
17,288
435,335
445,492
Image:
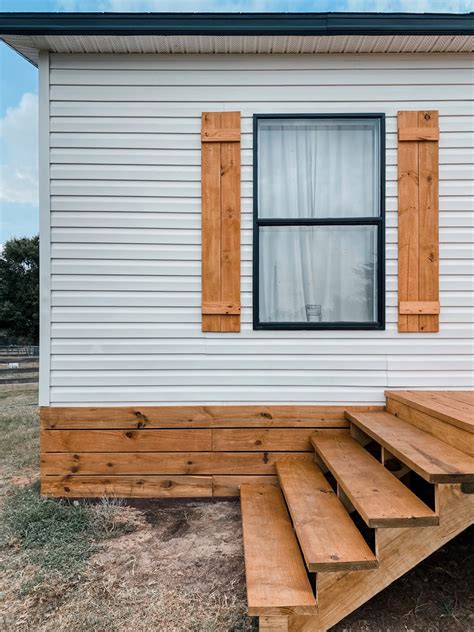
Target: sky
x,y
19,84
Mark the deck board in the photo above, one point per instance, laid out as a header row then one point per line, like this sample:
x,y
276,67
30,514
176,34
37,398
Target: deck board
x,y
277,583
431,458
379,497
452,407
329,539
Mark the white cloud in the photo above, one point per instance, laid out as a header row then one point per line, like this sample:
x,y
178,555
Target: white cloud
x,y
403,6
19,152
409,6
179,6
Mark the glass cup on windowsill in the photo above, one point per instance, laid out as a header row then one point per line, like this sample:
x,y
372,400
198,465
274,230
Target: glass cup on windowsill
x,y
313,313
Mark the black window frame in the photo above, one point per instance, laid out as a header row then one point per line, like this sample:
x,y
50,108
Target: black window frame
x,y
378,221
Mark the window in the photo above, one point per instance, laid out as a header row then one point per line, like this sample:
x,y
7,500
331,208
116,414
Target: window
x,y
319,221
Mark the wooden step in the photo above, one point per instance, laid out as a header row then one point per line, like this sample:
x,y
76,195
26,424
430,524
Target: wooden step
x,y
380,498
277,583
329,539
452,407
431,458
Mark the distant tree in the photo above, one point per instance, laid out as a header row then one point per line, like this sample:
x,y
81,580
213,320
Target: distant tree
x,y
19,290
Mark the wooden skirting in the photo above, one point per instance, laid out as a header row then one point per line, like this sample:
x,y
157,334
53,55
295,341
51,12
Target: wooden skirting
x,y
175,451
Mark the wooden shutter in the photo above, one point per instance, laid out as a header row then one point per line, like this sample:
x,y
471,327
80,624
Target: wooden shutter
x,y
418,241
220,160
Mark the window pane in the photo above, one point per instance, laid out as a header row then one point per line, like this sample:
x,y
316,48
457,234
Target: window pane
x,y
318,168
318,274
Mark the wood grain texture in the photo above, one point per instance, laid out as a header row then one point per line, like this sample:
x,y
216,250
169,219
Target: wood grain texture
x,y
211,229
273,624
453,436
418,133
329,539
127,486
428,456
126,440
453,407
221,307
262,439
220,175
407,222
195,416
277,583
418,223
146,463
428,258
230,218
379,497
398,550
227,135
227,485
419,307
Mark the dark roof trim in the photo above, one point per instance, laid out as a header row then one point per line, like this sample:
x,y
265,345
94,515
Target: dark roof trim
x,y
236,24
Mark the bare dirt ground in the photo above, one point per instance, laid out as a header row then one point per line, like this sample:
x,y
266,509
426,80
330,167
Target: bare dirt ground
x,y
166,565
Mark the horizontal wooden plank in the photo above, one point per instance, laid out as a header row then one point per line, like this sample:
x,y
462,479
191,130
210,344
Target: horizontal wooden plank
x,y
261,439
56,417
328,538
431,458
220,307
229,485
379,497
127,486
439,404
418,133
419,307
164,463
276,577
220,135
453,436
126,440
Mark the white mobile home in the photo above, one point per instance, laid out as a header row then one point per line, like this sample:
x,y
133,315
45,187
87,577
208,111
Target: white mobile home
x,y
252,226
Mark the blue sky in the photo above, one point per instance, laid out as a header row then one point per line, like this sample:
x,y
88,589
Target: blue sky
x,y
19,84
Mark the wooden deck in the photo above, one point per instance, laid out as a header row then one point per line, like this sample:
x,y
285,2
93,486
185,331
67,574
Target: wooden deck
x,y
409,511
167,451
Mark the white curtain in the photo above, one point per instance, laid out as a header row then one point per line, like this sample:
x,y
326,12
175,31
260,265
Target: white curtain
x,y
318,169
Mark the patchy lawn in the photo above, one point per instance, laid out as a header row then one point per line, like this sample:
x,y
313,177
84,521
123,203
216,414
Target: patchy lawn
x,y
167,566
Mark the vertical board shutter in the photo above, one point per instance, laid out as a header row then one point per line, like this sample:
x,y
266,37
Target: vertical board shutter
x,y
418,241
220,183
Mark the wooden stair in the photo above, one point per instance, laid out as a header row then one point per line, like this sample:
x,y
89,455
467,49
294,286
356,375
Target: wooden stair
x,y
329,539
380,498
426,455
276,577
326,536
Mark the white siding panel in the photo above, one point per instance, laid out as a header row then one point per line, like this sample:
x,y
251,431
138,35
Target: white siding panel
x,y
214,94
125,230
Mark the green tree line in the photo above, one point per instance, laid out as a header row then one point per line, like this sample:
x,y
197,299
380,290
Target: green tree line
x,y
19,291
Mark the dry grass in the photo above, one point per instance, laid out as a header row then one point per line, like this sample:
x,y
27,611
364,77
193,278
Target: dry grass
x,y
164,566
19,435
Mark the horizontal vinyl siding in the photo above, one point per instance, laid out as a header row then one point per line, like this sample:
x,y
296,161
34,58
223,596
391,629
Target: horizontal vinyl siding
x,y
125,230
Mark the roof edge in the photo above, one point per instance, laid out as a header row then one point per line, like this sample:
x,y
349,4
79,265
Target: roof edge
x,y
322,24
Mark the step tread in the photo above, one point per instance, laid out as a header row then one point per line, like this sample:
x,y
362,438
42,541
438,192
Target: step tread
x,y
428,456
380,498
277,583
329,539
453,407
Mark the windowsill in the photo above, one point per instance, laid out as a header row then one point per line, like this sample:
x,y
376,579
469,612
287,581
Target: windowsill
x,y
319,326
